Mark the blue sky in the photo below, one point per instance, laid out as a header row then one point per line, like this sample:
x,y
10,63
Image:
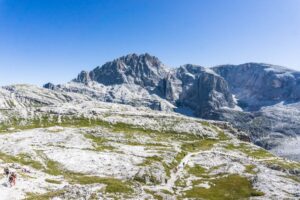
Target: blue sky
x,y
53,40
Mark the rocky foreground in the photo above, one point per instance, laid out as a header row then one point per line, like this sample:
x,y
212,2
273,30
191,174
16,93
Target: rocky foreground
x,y
66,146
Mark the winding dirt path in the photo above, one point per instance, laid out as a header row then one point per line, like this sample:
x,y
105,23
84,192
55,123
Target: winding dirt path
x,y
177,173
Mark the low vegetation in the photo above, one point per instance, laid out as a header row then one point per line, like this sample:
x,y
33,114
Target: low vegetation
x,y
228,187
100,143
53,181
45,196
283,165
22,159
168,149
198,145
257,153
250,169
196,170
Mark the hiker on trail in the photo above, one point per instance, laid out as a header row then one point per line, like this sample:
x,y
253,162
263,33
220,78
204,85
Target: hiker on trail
x,y
12,179
6,171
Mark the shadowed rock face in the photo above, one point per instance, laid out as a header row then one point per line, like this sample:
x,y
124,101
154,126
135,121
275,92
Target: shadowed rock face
x,y
202,90
83,77
257,85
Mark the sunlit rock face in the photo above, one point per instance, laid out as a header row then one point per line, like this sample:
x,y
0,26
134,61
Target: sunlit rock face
x,y
143,70
192,86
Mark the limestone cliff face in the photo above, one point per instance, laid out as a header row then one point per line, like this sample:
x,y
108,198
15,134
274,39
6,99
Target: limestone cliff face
x,y
195,87
134,79
202,90
257,85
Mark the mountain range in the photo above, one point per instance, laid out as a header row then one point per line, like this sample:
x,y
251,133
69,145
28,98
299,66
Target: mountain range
x,y
255,97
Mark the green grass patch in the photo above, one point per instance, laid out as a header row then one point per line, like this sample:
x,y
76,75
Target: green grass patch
x,y
196,170
154,194
257,153
49,121
112,185
232,147
95,139
256,193
205,123
45,196
100,143
216,167
74,121
150,160
166,192
180,183
147,144
222,135
250,169
53,168
225,188
22,159
283,165
52,181
198,145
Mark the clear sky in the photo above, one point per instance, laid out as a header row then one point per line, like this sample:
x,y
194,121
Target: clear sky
x,y
53,40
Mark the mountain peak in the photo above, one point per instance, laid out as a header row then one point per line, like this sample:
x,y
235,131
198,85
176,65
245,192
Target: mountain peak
x,y
132,60
143,69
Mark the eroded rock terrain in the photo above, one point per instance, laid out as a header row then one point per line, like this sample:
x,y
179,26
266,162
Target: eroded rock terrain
x,y
65,145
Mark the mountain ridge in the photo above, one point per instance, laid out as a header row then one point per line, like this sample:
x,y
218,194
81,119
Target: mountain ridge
x,y
232,93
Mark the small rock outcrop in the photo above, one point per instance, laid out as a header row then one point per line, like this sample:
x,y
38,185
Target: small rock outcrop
x,y
49,85
83,77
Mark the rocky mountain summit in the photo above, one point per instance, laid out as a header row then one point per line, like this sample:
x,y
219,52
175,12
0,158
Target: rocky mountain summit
x,y
237,94
138,76
143,70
